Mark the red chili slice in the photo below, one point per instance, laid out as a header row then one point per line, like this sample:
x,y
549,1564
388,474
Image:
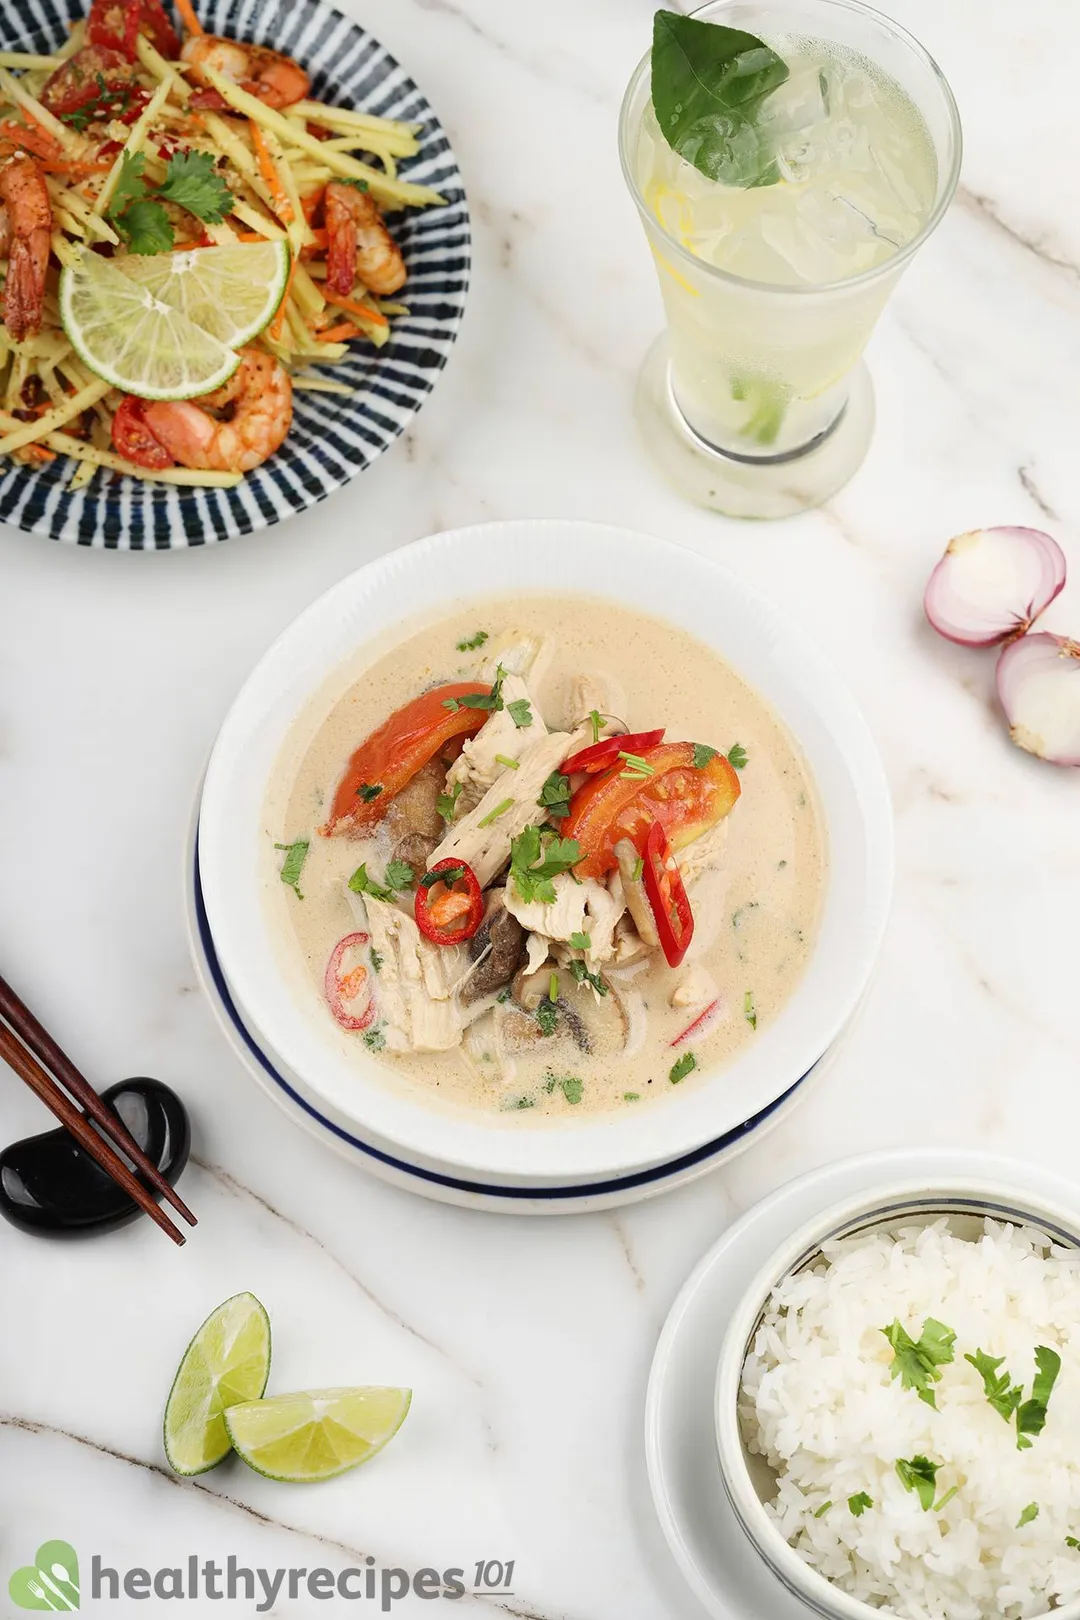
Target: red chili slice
x,y
700,1023
667,896
342,987
449,909
602,755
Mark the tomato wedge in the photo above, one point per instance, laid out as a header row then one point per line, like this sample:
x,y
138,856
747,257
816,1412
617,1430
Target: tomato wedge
x,y
686,799
393,754
449,903
667,896
114,24
79,82
133,438
602,755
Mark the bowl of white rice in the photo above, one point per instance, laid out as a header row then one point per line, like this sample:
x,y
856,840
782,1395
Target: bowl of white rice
x,y
898,1407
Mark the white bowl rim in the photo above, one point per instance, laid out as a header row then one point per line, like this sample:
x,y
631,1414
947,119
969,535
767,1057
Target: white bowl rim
x,y
777,1554
653,576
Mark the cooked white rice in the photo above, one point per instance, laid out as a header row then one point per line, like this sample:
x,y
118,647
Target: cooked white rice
x,y
818,1402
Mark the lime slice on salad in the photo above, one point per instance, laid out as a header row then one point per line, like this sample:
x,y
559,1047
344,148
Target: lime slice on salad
x,y
227,1362
231,292
133,340
316,1434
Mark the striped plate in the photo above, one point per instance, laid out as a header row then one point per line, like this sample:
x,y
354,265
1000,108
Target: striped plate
x,y
332,437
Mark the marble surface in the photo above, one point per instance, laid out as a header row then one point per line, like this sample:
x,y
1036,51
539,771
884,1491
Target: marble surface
x,y
528,1341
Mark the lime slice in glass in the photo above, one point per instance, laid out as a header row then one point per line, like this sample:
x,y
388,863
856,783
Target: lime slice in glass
x,y
133,340
316,1434
226,1363
230,292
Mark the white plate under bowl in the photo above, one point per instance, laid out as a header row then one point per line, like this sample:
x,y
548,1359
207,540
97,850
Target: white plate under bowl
x,y
722,1568
420,583
288,1091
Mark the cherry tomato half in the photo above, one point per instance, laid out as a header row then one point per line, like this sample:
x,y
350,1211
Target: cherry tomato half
x,y
686,799
393,754
134,440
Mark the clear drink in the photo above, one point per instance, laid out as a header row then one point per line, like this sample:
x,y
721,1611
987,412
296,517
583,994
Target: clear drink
x,y
772,290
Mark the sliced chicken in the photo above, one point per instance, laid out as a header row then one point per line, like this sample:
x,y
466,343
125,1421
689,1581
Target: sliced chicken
x,y
519,652
708,850
556,919
487,848
416,982
599,692
478,764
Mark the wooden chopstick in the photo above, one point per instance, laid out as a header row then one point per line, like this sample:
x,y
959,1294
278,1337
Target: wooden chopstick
x,y
41,1044
28,1068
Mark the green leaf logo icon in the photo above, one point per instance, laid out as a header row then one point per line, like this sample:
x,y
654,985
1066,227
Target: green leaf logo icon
x,y
51,1582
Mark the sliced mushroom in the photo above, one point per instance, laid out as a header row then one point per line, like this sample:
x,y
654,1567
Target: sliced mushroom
x,y
413,826
637,901
497,948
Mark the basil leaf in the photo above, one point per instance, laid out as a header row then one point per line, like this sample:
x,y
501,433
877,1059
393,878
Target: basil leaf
x,y
708,85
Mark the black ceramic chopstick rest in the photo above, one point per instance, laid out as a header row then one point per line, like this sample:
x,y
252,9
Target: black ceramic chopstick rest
x,y
49,1185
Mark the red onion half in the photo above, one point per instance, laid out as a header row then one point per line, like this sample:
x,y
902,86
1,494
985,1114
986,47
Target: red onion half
x,y
1038,682
992,584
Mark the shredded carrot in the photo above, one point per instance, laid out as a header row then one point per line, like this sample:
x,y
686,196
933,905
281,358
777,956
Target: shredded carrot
x,y
31,139
283,208
338,334
188,17
250,236
38,452
375,316
277,325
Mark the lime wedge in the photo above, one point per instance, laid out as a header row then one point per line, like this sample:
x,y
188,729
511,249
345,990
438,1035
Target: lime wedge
x,y
231,292
228,1361
317,1434
133,340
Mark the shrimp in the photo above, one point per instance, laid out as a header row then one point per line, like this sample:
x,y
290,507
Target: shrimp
x,y
359,246
25,233
275,79
258,403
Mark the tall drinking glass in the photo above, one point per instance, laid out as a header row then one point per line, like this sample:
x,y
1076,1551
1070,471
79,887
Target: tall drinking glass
x,y
755,400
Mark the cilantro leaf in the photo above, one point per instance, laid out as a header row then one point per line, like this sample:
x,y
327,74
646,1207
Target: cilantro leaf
x,y
547,1016
360,883
858,1504
520,712
569,1084
737,756
130,186
376,958
536,857
375,1039
702,755
470,643
918,1475
146,228
449,876
1030,1512
580,973
369,791
555,796
482,700
1003,1396
446,803
916,1363
192,182
580,942
1031,1415
400,875
1071,1541
685,1065
293,864
749,1010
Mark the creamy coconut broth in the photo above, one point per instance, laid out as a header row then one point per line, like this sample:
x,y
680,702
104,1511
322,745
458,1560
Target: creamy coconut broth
x,y
550,1010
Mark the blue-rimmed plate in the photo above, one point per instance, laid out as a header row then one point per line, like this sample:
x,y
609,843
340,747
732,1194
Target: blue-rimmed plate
x,y
310,1112
332,437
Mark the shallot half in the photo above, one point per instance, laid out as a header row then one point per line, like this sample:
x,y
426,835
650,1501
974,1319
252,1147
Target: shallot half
x,y
992,584
1038,683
